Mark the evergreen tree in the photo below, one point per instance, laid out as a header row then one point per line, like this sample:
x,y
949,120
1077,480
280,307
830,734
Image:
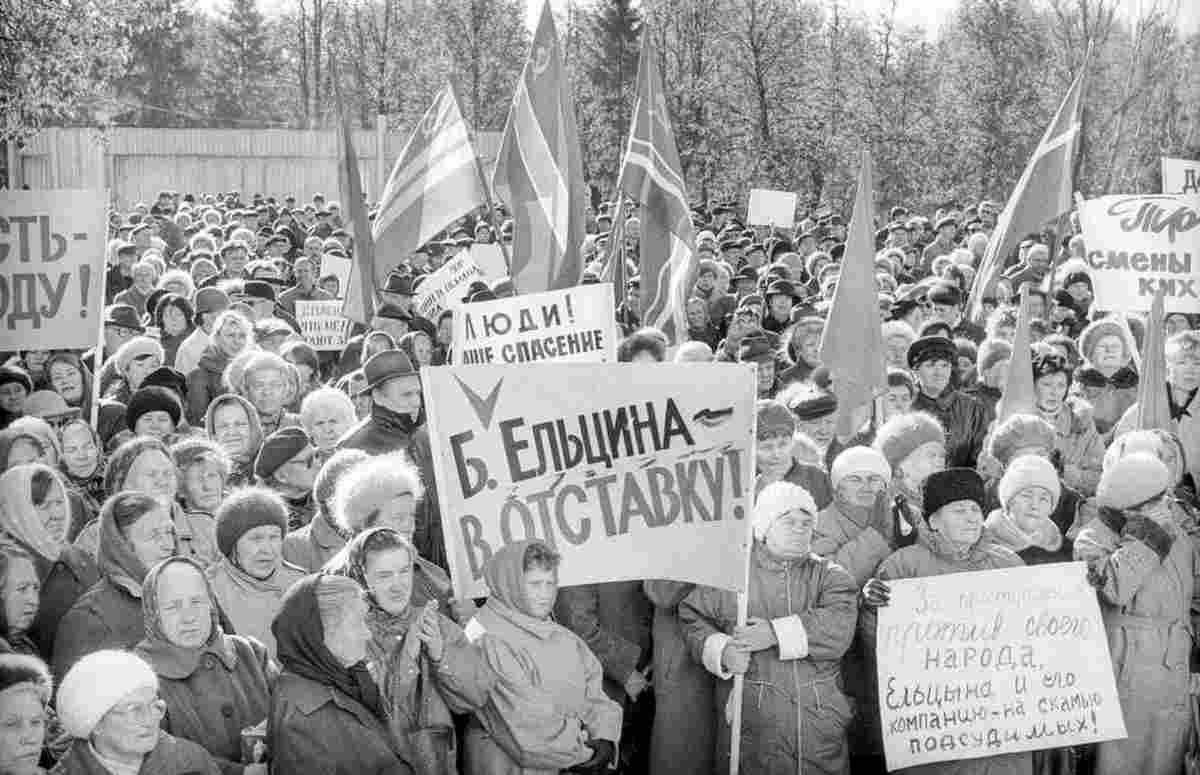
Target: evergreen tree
x,y
611,40
245,65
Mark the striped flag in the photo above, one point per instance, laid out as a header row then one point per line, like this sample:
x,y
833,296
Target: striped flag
x,y
435,181
652,175
359,305
852,342
539,171
1042,194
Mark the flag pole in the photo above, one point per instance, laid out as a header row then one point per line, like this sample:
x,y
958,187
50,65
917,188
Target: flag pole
x,y
491,206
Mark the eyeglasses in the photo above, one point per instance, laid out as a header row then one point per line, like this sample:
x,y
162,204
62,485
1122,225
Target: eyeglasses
x,y
150,711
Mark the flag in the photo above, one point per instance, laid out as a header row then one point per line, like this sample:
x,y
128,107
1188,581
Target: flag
x,y
1153,407
539,171
652,175
435,181
1018,396
360,286
1042,193
616,268
852,342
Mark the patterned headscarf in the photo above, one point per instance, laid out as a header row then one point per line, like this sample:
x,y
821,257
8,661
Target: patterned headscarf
x,y
19,518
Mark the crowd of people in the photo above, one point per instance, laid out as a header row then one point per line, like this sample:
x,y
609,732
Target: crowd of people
x,y
221,550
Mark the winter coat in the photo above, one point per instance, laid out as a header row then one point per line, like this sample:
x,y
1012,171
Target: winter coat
x,y
387,431
931,556
171,756
685,716
64,582
1110,397
195,536
966,423
252,603
187,357
313,545
315,728
549,691
1079,446
794,712
846,535
204,383
1185,423
614,621
1045,544
1145,577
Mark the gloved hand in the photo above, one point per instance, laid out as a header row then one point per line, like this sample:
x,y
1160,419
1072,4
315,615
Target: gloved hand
x,y
603,752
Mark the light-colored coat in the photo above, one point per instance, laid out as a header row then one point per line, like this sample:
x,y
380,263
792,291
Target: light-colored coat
x,y
249,603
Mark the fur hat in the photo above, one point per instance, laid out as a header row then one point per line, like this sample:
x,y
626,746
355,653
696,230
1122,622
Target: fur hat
x,y
96,684
377,480
1101,328
138,347
774,419
1029,471
1131,481
1018,431
858,459
950,486
245,509
929,348
903,434
777,499
332,471
152,399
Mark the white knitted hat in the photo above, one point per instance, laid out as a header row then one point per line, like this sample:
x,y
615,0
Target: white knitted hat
x,y
858,459
97,683
1029,471
777,499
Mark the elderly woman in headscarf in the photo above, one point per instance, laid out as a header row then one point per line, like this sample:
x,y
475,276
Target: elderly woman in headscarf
x,y
424,665
82,465
1107,379
32,440
144,464
250,580
802,613
232,332
327,713
25,690
233,423
1143,565
418,347
108,703
173,315
73,381
33,518
214,684
130,365
548,709
270,384
326,414
136,532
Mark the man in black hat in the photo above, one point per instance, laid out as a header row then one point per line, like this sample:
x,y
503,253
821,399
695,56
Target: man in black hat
x,y
781,297
966,421
943,243
946,304
119,276
121,323
400,291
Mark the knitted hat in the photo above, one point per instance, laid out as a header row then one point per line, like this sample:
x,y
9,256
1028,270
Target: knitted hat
x,y
96,684
245,509
132,350
859,460
278,448
152,399
774,419
777,499
991,352
903,434
1029,471
1131,481
950,486
1018,431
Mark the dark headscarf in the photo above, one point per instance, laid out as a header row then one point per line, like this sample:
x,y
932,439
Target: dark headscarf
x,y
118,561
300,640
9,437
505,574
168,659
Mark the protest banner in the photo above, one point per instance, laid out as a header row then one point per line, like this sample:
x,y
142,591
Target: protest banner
x,y
629,472
323,325
574,325
994,662
52,246
1138,244
1180,176
489,257
338,267
445,288
771,208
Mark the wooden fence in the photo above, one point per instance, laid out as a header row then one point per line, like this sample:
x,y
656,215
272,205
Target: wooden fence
x,y
138,163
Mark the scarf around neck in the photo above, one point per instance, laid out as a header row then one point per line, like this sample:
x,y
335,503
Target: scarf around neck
x,y
166,658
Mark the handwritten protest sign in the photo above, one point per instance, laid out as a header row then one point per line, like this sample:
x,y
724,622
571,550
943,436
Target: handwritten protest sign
x,y
574,325
322,324
51,268
1181,176
771,208
630,472
980,664
1137,244
445,288
490,260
